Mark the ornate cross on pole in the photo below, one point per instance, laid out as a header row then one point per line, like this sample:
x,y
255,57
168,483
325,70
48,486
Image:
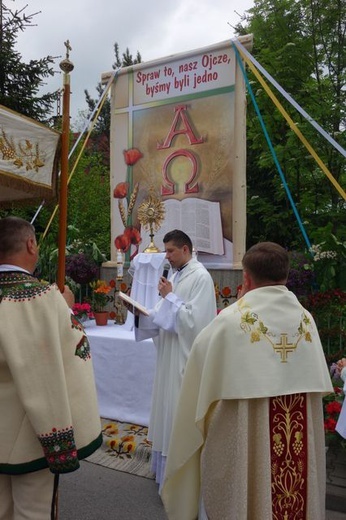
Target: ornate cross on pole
x,y
68,48
283,348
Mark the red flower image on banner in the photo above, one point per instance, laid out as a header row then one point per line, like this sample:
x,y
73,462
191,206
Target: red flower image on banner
x,y
120,190
131,156
122,242
130,236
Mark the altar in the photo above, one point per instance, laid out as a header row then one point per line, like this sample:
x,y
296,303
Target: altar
x,y
124,372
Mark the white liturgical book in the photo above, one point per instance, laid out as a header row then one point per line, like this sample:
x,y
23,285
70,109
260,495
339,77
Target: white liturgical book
x,y
134,303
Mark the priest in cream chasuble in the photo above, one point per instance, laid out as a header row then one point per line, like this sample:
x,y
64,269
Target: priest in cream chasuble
x,y
248,436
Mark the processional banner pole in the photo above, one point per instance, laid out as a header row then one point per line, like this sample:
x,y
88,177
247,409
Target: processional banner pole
x,y
66,66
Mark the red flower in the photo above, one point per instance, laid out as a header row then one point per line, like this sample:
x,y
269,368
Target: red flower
x,y
120,190
333,407
131,156
329,424
133,234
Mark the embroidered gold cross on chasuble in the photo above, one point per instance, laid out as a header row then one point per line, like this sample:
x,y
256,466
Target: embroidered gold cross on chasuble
x,y
252,324
283,348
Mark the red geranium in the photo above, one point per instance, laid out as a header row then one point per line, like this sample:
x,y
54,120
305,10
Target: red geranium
x,y
329,425
333,408
332,404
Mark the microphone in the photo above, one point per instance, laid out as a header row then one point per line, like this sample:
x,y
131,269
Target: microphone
x,y
166,269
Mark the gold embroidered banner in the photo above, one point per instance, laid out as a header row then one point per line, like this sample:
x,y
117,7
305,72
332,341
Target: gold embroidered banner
x,y
29,157
289,456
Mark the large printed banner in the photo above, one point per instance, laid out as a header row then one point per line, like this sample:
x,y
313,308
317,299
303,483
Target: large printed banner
x,y
178,134
29,154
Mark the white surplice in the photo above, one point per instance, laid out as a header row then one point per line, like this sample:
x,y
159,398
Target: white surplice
x,y
264,345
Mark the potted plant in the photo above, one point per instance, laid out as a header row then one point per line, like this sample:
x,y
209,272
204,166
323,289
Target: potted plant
x,y
81,268
82,311
99,300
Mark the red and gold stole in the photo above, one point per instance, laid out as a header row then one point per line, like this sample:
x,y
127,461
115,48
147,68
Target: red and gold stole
x,y
289,456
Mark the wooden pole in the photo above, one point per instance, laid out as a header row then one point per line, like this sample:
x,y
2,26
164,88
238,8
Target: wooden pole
x,y
66,66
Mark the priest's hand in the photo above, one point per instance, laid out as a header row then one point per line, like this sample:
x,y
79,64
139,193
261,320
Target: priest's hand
x,y
164,287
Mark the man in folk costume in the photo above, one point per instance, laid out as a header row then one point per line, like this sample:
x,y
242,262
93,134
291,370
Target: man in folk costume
x,y
48,404
248,436
188,304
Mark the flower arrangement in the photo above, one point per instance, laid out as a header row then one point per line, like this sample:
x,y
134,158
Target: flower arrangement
x,y
99,297
82,311
329,260
332,405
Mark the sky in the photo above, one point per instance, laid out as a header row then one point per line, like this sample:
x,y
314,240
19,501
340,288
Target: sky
x,y
155,28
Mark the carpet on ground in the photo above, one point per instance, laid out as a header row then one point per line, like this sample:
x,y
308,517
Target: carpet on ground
x,y
125,447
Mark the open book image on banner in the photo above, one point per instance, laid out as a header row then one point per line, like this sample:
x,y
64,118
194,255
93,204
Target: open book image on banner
x,y
173,133
200,219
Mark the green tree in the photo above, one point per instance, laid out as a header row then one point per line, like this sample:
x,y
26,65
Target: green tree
x,y
20,82
103,123
89,201
89,195
302,45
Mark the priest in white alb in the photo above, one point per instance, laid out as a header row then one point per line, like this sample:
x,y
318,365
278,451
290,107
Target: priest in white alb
x,y
248,437
187,305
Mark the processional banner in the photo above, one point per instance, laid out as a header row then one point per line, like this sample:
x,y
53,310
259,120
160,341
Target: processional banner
x,y
178,133
29,157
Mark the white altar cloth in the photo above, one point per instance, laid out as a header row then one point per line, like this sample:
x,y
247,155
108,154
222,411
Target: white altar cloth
x,y
124,372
